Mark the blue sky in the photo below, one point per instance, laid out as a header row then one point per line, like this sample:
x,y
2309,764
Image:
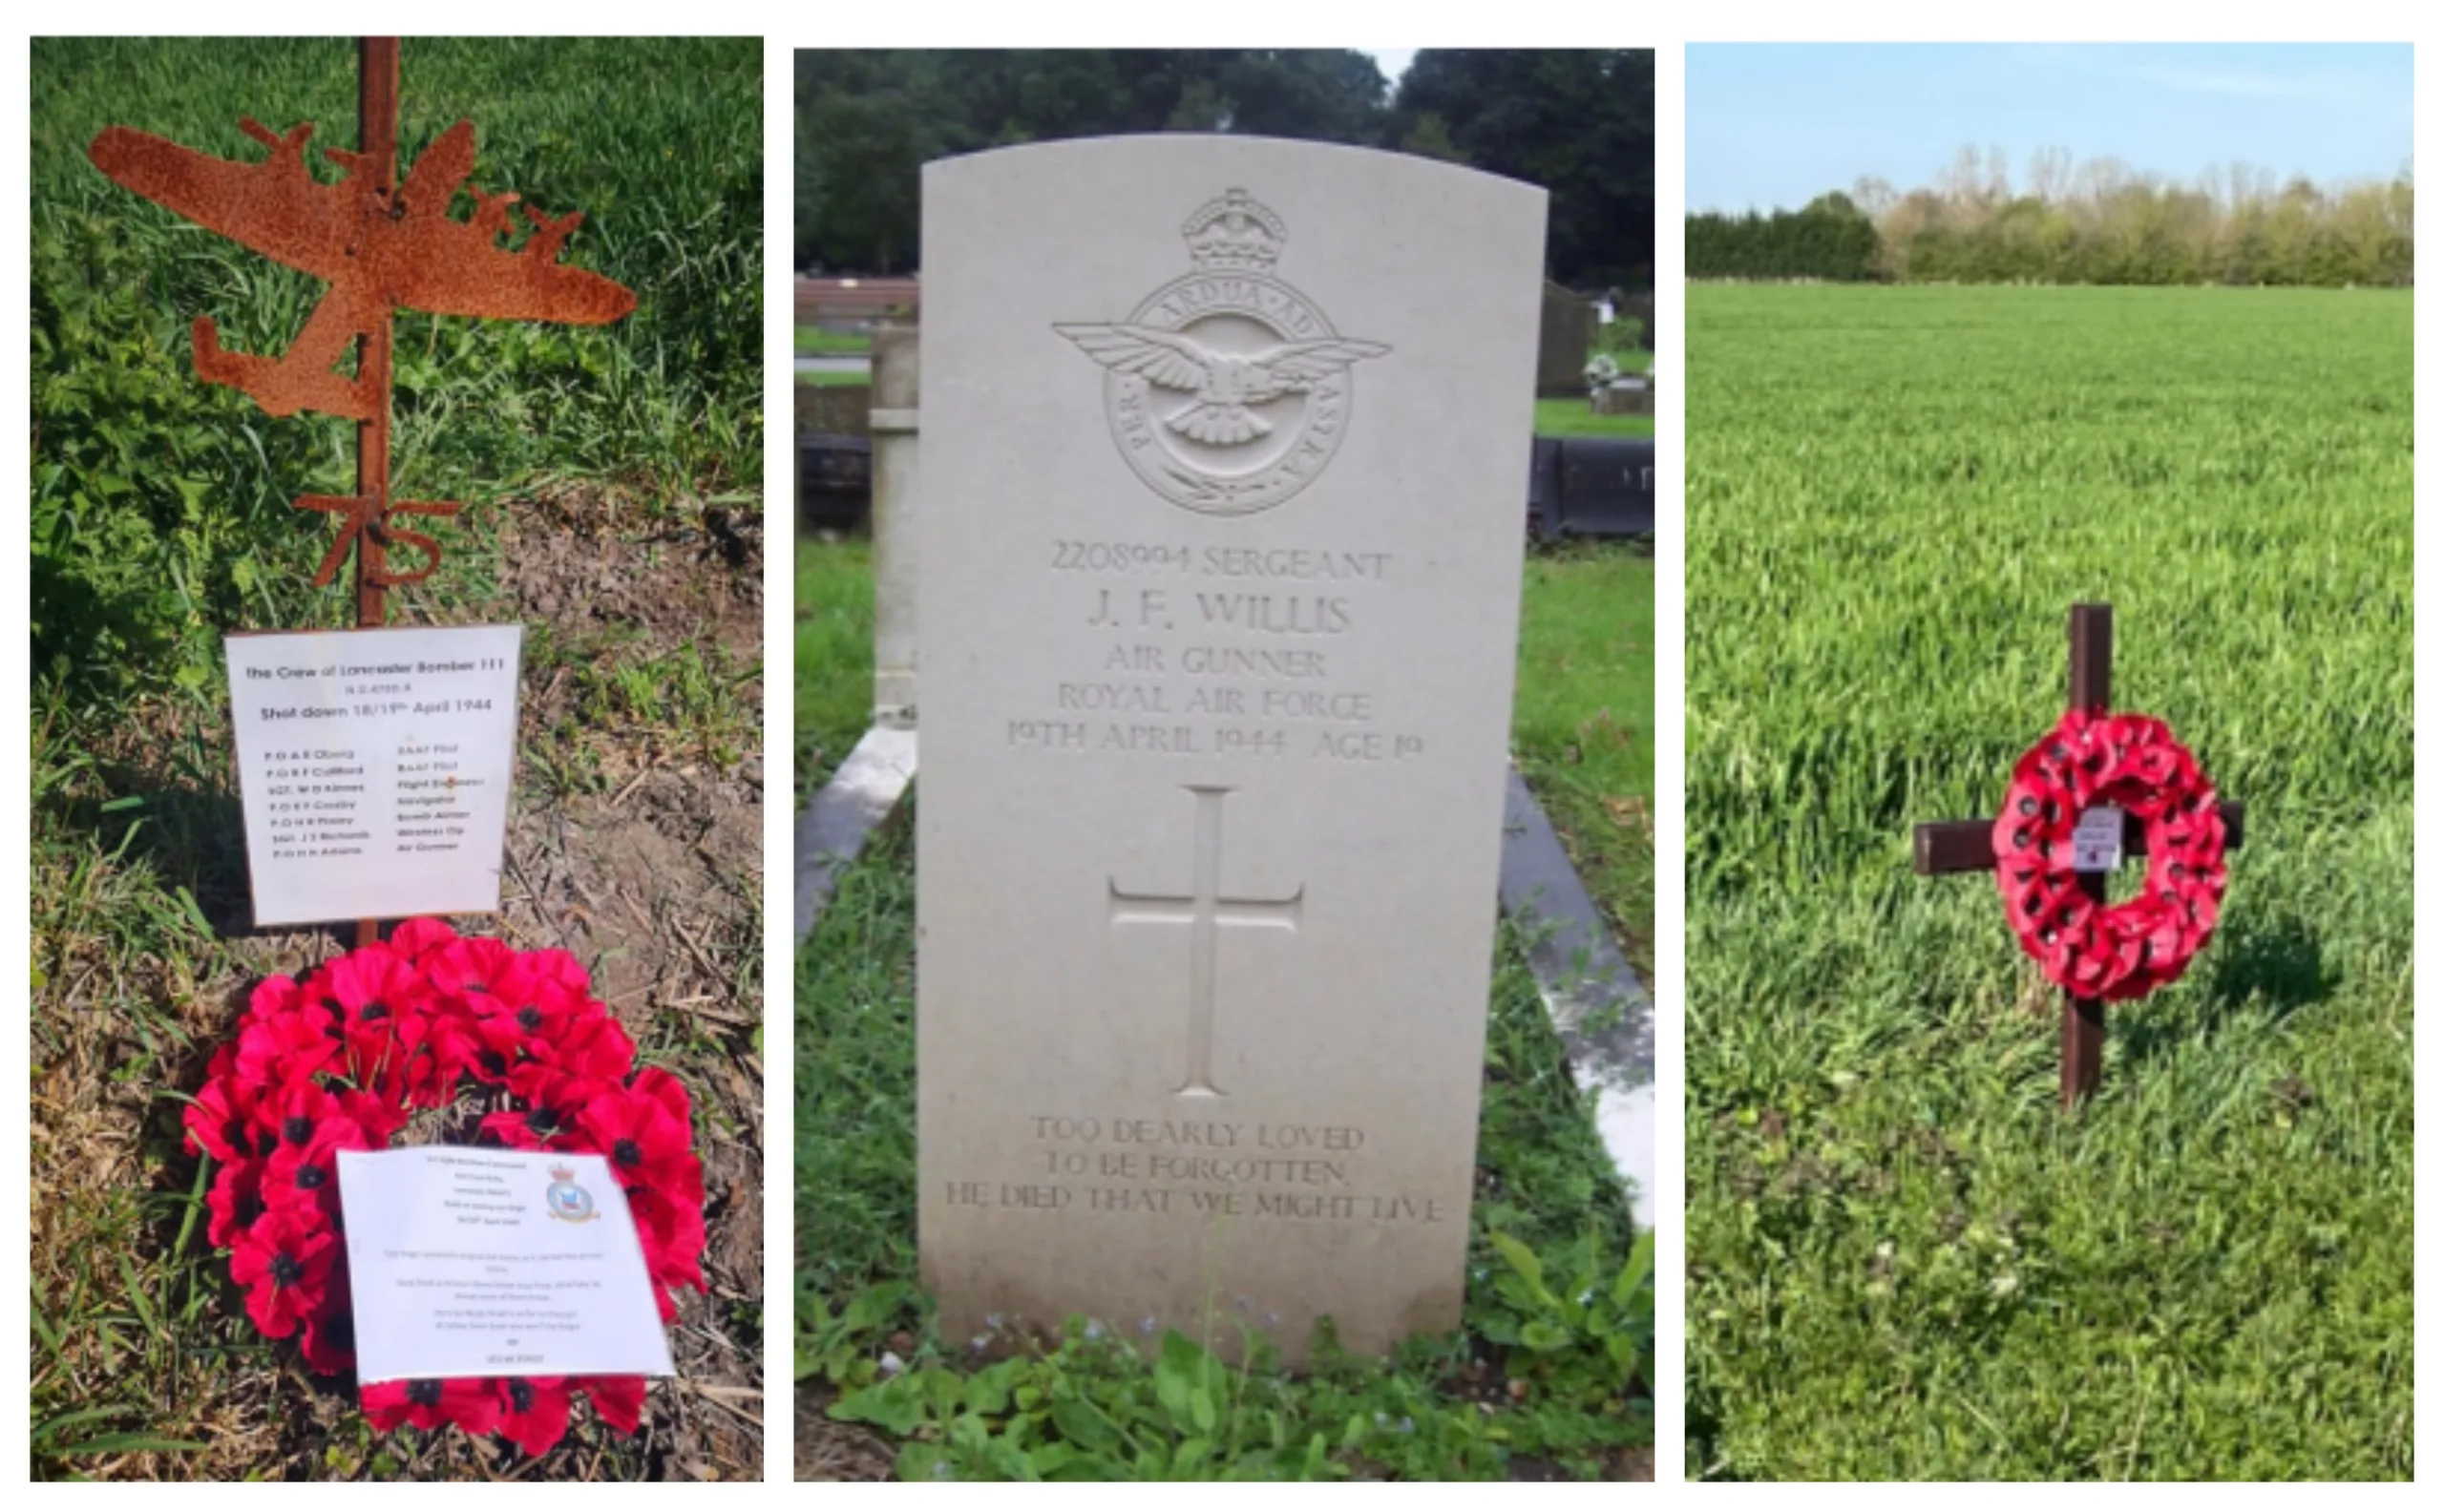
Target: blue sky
x,y
1775,126
1393,61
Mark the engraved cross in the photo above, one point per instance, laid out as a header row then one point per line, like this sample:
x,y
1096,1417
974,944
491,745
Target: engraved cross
x,y
1205,911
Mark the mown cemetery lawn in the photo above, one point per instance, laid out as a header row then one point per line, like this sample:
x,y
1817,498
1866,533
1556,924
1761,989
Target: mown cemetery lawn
x,y
1904,1260
1583,722
1575,418
833,647
1461,1406
614,508
811,340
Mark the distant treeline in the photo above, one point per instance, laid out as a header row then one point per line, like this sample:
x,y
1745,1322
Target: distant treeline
x,y
2099,225
1579,121
1832,240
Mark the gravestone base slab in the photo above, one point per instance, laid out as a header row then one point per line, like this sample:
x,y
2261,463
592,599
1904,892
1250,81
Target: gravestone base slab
x,y
835,826
1623,401
1598,1007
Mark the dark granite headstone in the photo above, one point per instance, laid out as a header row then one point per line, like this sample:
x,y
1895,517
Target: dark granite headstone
x,y
1590,486
1563,341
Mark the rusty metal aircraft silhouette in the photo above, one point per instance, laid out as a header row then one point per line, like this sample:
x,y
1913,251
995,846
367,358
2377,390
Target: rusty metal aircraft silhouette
x,y
380,250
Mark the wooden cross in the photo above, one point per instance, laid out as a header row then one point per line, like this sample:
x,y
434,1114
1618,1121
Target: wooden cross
x,y
1968,844
1205,911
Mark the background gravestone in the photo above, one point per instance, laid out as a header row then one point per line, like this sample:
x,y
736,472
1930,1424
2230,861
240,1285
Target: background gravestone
x,y
1638,310
1566,333
1219,583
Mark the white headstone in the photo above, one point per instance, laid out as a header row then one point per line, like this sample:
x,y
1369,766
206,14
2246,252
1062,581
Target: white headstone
x,y
1221,509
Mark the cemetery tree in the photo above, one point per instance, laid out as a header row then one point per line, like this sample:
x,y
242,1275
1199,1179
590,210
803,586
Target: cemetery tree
x,y
1578,121
868,120
863,127
1310,94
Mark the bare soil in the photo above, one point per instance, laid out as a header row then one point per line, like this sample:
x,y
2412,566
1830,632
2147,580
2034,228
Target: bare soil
x,y
837,1451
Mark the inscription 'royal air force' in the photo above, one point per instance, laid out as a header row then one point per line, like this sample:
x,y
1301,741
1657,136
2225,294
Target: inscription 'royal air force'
x,y
1226,388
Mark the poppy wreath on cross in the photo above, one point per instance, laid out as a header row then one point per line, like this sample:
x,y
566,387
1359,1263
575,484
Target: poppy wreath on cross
x,y
2092,949
344,1061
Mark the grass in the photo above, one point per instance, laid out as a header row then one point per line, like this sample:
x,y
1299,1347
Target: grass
x,y
1575,418
1903,1261
161,507
1582,725
598,466
833,647
812,341
833,378
1440,1409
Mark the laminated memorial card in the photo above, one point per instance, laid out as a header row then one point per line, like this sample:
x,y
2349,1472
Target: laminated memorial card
x,y
478,1262
375,768
1220,511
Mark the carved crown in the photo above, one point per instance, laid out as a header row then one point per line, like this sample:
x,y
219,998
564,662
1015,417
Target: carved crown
x,y
1234,234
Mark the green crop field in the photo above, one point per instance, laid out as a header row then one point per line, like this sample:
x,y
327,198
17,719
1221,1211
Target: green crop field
x,y
1903,1261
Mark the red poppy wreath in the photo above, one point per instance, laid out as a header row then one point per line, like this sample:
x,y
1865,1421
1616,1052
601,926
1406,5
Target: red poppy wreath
x,y
345,1059
2132,762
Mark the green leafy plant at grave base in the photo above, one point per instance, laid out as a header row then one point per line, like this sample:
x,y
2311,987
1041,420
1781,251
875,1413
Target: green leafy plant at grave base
x,y
836,1346
1585,1331
1903,1261
1092,1409
1088,1412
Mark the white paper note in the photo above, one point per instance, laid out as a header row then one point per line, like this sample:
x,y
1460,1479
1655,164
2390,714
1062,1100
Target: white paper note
x,y
375,768
2096,843
485,1262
